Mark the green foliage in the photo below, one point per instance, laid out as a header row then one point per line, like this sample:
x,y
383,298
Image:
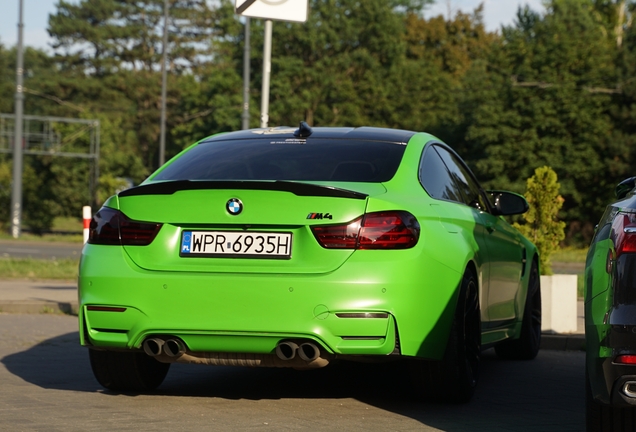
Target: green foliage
x,y
541,225
5,194
106,36
37,198
551,101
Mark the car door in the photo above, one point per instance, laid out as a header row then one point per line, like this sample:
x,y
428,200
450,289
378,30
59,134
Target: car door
x,y
502,243
458,219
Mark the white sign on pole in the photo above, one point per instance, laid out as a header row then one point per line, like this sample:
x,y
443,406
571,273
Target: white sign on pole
x,y
283,10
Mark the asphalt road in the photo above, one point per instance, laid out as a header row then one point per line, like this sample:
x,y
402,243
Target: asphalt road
x,y
47,385
39,250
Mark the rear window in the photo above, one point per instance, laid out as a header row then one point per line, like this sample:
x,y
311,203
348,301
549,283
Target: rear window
x,y
264,159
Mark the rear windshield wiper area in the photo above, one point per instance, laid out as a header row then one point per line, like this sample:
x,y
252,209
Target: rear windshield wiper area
x,y
299,189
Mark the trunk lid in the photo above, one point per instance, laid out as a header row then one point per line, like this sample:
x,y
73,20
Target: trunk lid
x,y
277,212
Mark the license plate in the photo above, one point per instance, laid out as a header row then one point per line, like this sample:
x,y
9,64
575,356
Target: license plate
x,y
236,244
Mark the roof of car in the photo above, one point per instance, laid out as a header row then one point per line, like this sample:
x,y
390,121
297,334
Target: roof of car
x,y
286,132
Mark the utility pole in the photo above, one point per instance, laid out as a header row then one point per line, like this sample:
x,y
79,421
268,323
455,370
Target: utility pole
x,y
246,76
267,69
164,85
284,10
16,192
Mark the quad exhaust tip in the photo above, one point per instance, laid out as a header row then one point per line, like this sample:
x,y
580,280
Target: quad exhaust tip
x,y
175,348
629,389
172,347
286,350
308,351
153,346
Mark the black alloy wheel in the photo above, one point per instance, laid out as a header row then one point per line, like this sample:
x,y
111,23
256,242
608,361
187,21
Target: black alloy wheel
x,y
127,371
454,378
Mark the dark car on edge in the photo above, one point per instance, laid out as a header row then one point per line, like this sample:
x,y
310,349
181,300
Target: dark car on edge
x,y
610,317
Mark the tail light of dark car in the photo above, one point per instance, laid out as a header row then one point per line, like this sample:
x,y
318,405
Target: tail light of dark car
x,y
629,359
379,230
112,227
624,234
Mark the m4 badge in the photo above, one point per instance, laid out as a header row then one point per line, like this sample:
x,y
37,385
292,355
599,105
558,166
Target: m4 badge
x,y
319,216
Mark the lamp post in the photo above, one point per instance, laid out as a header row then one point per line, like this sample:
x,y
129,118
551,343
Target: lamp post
x,y
267,69
164,85
16,192
284,10
246,76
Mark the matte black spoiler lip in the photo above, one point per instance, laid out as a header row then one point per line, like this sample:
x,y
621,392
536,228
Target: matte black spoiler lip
x,y
299,189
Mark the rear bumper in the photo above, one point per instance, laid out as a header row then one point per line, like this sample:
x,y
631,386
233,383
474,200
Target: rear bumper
x,y
610,333
613,384
251,313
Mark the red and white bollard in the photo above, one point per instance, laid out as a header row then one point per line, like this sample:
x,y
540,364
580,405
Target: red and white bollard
x,y
86,213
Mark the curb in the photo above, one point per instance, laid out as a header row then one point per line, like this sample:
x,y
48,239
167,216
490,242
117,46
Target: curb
x,y
39,307
562,342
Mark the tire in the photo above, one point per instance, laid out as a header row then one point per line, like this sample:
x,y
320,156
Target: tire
x,y
526,347
454,378
127,371
606,418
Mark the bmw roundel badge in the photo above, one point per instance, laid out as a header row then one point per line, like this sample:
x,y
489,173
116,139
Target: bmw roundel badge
x,y
234,206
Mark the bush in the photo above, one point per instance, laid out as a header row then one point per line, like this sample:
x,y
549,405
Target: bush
x,y
541,225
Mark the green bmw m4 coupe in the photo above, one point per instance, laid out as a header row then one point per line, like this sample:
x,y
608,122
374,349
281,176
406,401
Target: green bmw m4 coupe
x,y
295,247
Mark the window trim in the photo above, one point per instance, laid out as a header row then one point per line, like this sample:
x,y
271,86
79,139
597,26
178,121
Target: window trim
x,y
434,143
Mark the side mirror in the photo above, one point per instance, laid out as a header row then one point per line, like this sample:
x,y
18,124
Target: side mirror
x,y
624,187
508,203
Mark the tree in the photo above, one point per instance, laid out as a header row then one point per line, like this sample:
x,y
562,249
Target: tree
x,y
429,92
552,81
106,36
542,226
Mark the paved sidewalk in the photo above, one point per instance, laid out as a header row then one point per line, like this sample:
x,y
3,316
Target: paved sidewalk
x,y
24,296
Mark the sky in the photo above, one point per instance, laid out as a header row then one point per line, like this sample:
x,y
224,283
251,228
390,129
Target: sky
x,y
36,14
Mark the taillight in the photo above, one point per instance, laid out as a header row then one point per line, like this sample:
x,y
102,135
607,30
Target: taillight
x,y
624,234
338,236
379,230
626,359
111,227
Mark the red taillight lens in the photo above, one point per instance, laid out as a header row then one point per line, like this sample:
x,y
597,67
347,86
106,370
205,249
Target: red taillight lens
x,y
626,359
338,236
624,234
112,227
380,230
389,230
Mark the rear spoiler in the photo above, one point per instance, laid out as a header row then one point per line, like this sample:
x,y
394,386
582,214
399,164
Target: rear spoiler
x,y
300,189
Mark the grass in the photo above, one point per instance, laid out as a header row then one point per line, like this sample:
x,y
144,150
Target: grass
x,y
28,268
64,230
569,255
68,224
28,237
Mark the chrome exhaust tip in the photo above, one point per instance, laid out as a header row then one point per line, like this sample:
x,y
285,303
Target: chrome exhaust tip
x,y
286,350
174,348
629,389
153,346
308,351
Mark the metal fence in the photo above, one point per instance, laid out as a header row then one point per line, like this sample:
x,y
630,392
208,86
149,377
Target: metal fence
x,y
58,137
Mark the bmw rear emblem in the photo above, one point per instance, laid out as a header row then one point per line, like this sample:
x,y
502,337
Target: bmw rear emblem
x,y
234,206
